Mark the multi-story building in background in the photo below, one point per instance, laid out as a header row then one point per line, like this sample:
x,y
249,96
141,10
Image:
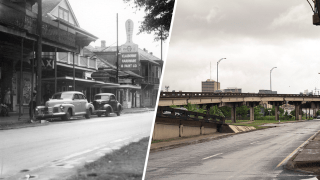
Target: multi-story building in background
x,y
263,91
210,85
232,90
140,87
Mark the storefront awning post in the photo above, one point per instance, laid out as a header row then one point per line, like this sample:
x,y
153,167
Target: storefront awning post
x,y
21,89
55,70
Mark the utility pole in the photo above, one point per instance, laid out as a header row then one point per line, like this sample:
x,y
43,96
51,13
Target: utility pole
x,y
117,76
39,51
270,78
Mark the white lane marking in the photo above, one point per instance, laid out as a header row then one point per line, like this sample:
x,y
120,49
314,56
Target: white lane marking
x,y
211,156
254,142
119,140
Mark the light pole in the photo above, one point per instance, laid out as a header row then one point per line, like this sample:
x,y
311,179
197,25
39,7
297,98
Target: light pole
x,y
270,78
217,70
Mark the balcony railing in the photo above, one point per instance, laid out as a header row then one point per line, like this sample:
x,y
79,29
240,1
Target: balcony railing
x,y
148,80
83,61
50,30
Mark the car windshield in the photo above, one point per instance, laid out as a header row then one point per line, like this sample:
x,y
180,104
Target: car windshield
x,y
62,96
102,97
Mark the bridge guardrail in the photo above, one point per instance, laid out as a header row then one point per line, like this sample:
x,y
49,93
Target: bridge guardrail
x,y
206,94
186,115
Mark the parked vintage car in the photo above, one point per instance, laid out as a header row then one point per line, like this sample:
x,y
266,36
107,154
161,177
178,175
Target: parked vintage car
x,y
106,103
64,105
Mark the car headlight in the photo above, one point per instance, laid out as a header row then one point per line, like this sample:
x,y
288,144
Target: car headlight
x,y
61,107
37,109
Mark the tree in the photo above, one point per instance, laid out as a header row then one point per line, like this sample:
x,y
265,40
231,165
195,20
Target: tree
x,y
257,110
214,110
242,111
158,16
226,111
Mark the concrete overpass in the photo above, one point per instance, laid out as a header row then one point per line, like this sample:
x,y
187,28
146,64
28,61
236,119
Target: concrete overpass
x,y
234,100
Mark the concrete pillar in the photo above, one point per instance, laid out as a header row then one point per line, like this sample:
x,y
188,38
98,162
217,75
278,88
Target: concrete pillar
x,y
314,113
202,130
233,113
181,130
300,113
251,112
297,109
276,110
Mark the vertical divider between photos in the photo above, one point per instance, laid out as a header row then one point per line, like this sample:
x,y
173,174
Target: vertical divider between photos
x,y
158,95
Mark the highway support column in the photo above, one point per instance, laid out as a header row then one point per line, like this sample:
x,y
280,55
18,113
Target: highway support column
x,y
233,113
276,110
297,108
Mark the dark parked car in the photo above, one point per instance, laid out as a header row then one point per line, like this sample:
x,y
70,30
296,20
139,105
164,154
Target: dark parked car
x,y
106,103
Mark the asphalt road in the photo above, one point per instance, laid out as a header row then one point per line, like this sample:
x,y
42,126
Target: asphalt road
x,y
252,155
53,151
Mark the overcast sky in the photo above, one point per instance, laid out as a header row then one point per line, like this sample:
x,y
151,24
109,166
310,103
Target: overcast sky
x,y
99,18
254,36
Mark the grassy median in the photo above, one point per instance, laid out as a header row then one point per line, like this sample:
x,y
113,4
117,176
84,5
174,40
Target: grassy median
x,y
257,123
125,163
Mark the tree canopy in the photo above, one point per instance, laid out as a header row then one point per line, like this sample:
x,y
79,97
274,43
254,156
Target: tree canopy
x,y
158,16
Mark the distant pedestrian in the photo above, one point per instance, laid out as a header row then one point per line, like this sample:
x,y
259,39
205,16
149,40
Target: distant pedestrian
x,y
33,102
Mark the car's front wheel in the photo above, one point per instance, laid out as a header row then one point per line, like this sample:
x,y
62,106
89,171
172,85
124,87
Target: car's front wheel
x,y
88,115
119,112
108,112
67,116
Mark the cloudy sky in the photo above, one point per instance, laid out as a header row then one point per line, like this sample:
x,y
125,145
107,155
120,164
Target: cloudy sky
x,y
99,18
254,36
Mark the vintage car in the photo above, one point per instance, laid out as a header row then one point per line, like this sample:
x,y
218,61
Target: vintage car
x,y
64,105
106,103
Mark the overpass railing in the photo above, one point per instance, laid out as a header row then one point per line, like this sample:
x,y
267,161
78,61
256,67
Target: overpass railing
x,y
211,94
188,115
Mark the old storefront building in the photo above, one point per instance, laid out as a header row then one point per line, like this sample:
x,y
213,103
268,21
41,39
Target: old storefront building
x,y
139,71
63,65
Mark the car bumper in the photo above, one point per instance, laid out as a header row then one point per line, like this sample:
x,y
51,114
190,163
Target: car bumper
x,y
50,115
43,112
100,111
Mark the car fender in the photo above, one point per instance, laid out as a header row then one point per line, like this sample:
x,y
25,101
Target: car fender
x,y
119,106
89,105
106,106
66,107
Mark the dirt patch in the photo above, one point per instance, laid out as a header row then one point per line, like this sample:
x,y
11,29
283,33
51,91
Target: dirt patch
x,y
125,163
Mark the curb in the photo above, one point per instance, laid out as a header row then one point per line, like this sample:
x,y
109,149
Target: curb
x,y
142,111
295,166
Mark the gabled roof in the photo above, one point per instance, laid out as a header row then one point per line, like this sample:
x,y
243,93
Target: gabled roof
x,y
49,5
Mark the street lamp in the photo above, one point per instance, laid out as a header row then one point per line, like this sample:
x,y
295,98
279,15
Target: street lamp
x,y
270,78
217,70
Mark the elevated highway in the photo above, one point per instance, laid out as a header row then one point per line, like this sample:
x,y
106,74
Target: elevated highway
x,y
234,100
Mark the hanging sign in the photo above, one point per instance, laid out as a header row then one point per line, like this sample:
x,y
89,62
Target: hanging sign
x,y
129,61
47,63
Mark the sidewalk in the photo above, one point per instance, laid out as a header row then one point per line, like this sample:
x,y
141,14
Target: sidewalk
x,y
136,110
13,121
307,158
